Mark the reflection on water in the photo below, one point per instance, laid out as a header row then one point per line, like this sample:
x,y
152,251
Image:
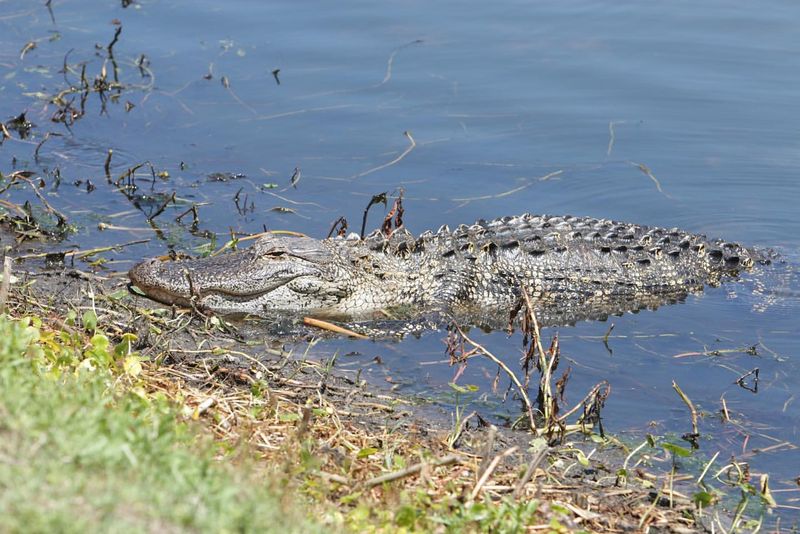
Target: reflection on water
x,y
663,114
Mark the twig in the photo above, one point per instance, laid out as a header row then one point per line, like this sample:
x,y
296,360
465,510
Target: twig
x,y
605,339
632,453
405,153
233,242
689,404
390,62
547,370
294,202
380,198
511,191
708,465
325,325
725,415
411,470
453,437
341,224
588,396
110,46
83,253
330,476
754,373
50,10
298,112
163,206
6,282
537,459
489,470
612,137
227,85
5,132
62,220
39,146
13,207
107,165
483,350
646,170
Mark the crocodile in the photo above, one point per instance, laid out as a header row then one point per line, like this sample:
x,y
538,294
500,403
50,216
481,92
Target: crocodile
x,y
570,268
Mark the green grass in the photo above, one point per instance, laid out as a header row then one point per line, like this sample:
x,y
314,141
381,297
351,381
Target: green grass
x,y
82,448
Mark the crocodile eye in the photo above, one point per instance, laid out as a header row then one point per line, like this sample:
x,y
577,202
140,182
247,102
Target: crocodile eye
x,y
275,253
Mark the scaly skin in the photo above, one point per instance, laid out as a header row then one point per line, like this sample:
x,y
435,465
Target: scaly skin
x,y
573,268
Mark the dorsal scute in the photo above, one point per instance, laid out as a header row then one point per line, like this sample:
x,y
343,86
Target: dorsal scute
x,y
401,242
376,241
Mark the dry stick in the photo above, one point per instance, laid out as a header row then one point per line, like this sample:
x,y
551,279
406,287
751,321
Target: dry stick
x,y
5,132
405,153
632,454
725,415
547,370
411,470
107,165
39,146
5,283
607,334
453,438
740,380
588,396
298,112
376,199
27,48
537,459
13,207
510,191
325,325
708,465
492,466
612,136
163,206
233,242
192,210
715,352
294,202
50,10
62,219
227,85
688,402
330,477
83,253
390,62
646,170
509,372
110,46
12,178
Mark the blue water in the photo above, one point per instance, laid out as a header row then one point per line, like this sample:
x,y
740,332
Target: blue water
x,y
495,97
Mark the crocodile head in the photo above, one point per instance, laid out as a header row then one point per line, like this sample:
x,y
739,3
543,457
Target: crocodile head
x,y
276,273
